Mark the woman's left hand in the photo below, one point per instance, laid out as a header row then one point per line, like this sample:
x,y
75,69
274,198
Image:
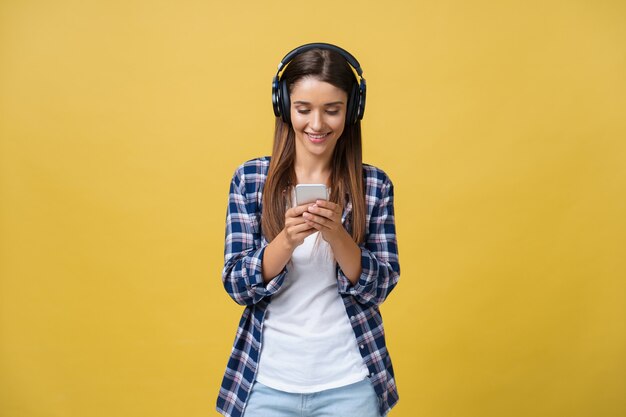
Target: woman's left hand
x,y
325,216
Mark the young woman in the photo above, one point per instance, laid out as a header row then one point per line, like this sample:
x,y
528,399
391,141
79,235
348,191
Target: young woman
x,y
311,276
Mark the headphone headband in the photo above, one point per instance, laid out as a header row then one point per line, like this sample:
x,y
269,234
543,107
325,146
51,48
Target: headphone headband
x,y
356,97
300,49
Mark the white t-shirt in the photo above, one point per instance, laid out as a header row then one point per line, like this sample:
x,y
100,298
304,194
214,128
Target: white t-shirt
x,y
308,344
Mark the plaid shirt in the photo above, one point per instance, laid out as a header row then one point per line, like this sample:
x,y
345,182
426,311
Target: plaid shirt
x,y
243,281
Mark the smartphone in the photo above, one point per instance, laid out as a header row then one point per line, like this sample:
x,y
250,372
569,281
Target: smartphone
x,y
308,193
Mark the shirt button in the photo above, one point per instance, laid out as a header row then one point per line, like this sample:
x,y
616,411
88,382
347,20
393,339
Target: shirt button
x,y
351,318
362,346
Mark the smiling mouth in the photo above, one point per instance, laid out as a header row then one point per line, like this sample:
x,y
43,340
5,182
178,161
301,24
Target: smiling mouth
x,y
317,135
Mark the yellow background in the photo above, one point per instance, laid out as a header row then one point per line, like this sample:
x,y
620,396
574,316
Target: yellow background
x,y
502,125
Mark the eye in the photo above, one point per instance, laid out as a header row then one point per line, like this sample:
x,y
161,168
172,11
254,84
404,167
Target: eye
x,y
333,112
303,111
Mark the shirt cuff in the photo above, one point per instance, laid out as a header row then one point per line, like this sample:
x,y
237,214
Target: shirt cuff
x,y
255,276
366,279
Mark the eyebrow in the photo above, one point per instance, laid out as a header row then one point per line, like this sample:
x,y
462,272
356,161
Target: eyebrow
x,y
327,104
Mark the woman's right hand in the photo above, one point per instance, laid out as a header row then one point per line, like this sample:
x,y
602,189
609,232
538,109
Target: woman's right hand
x,y
296,229
279,250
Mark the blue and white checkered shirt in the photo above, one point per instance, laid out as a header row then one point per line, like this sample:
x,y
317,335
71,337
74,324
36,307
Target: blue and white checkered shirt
x,y
243,280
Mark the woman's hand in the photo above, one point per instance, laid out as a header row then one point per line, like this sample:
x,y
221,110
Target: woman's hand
x,y
296,227
325,216
279,251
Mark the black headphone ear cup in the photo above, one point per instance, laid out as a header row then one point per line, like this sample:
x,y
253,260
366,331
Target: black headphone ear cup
x,y
285,103
362,92
275,97
353,105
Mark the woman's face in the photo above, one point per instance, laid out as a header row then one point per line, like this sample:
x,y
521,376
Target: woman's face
x,y
318,115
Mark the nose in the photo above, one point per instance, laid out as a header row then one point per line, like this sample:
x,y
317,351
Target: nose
x,y
316,121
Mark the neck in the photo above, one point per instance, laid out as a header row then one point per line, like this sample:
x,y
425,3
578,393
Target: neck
x,y
312,171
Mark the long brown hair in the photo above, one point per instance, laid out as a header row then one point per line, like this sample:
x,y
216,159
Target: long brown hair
x,y
346,179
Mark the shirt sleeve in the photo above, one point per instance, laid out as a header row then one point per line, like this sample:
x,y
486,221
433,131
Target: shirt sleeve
x,y
243,252
379,255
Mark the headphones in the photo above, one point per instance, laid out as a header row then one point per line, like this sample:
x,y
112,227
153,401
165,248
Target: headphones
x,y
356,98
